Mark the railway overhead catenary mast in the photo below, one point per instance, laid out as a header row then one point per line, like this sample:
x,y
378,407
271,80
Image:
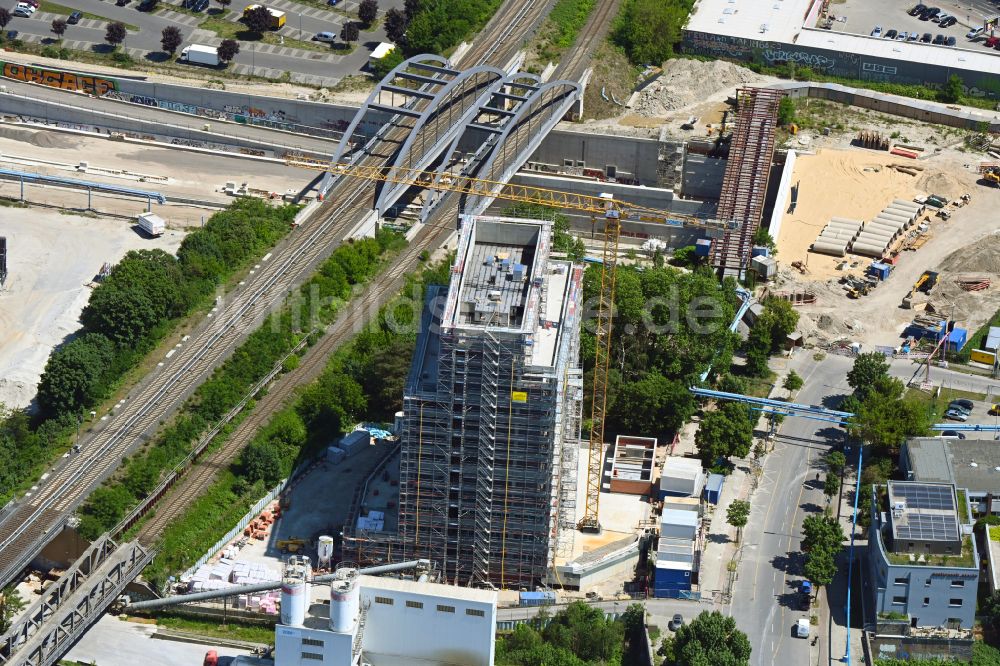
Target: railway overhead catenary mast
x,y
613,210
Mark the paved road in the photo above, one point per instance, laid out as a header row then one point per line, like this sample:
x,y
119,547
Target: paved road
x,y
256,58
764,601
112,642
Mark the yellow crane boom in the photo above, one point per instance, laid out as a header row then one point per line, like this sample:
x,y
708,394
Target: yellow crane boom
x,y
613,210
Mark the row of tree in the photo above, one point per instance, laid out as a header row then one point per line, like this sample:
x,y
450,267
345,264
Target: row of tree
x,y
434,26
338,401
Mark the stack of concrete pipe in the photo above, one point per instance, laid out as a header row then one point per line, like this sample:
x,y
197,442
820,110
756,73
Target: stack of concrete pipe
x,y
836,236
878,234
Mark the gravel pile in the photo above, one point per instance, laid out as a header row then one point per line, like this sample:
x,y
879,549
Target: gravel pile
x,y
687,82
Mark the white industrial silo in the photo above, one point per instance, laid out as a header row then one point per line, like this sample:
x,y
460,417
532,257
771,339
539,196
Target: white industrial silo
x,y
345,600
325,552
295,591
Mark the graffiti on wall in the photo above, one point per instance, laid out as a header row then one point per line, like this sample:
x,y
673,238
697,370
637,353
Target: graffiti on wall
x,y
95,85
771,53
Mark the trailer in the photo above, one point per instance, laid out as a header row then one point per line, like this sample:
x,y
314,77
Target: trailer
x,y
199,54
152,224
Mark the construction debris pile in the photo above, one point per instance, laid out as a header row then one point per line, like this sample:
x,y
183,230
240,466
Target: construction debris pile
x,y
687,82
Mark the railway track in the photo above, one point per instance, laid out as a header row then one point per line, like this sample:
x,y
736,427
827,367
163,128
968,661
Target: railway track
x,y
505,33
573,66
35,518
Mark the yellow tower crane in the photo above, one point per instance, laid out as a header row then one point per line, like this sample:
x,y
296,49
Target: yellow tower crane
x,y
613,210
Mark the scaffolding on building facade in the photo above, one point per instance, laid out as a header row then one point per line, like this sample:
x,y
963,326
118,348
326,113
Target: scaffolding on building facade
x,y
491,419
744,185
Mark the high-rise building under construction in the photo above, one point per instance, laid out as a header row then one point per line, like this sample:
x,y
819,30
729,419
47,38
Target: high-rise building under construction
x,y
491,414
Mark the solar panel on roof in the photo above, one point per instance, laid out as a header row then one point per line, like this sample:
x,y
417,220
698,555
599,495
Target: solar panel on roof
x,y
919,496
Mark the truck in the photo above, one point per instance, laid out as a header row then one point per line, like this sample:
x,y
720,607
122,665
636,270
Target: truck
x,y
152,224
381,51
199,54
277,17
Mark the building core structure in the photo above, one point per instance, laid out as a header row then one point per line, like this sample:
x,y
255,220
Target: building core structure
x,y
491,414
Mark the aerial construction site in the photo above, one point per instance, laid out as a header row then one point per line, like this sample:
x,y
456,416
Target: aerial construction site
x,y
365,373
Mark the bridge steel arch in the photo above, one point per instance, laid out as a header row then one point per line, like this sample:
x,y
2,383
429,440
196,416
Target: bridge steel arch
x,y
491,117
444,117
414,81
522,135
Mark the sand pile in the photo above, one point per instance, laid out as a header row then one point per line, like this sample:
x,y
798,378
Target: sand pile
x,y
686,82
945,184
40,138
981,257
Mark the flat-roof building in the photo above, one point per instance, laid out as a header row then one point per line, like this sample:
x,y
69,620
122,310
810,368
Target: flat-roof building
x,y
776,33
970,464
923,560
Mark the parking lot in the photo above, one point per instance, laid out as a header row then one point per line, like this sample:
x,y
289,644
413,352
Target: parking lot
x,y
862,16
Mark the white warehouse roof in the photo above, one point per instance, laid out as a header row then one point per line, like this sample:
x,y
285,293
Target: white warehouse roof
x,y
681,468
679,517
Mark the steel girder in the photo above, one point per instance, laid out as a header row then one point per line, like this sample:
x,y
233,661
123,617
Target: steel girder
x,y
491,117
522,135
442,119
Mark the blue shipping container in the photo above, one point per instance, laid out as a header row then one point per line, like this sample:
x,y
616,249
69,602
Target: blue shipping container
x,y
703,247
713,488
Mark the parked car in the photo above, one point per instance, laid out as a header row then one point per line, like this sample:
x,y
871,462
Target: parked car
x,y
940,17
930,13
926,39
948,22
950,41
23,10
333,3
956,415
939,39
913,37
951,434
877,31
891,34
962,404
74,18
676,622
147,5
919,9
327,37
995,409
974,33
901,37
122,3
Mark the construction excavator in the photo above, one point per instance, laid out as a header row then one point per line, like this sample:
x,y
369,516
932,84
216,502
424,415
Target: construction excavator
x,y
990,172
614,211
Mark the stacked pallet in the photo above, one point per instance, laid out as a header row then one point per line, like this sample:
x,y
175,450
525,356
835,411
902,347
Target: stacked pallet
x,y
973,282
836,236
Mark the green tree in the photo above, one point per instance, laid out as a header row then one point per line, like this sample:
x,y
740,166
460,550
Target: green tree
x,y
655,405
258,20
228,49
395,24
831,485
381,67
711,639
115,34
368,11
262,462
990,610
5,17
685,257
58,27
648,30
868,368
820,566
793,382
835,462
885,419
786,111
11,604
953,90
762,237
76,375
737,515
350,32
822,532
724,432
171,39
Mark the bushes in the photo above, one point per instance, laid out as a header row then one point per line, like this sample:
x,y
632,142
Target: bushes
x,y
649,30
438,25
